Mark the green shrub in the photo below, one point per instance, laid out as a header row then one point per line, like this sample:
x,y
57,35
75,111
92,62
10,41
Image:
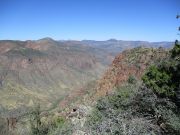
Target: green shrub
x,y
159,80
175,52
94,118
60,121
132,79
65,128
37,127
164,79
51,125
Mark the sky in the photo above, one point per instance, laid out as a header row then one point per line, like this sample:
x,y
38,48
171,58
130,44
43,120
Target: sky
x,y
147,20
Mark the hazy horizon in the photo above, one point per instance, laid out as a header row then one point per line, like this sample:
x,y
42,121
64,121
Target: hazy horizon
x,y
82,40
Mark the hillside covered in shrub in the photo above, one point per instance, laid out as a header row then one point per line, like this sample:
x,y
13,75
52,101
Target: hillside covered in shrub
x,y
138,95
150,106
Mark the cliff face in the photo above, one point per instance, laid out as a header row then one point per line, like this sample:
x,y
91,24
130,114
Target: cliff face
x,y
129,63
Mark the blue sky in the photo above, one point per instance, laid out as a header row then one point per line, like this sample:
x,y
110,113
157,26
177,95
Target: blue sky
x,y
148,20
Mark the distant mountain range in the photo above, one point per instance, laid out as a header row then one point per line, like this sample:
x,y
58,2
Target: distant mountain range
x,y
116,46
47,70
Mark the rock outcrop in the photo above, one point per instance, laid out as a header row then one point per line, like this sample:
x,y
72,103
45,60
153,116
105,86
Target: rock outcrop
x,y
129,63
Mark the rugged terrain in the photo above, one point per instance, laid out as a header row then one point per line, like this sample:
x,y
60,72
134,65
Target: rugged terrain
x,y
121,104
141,95
62,75
46,70
132,62
138,94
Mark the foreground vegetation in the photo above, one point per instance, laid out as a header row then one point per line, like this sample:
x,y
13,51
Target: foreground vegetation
x,y
133,110
164,79
148,107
